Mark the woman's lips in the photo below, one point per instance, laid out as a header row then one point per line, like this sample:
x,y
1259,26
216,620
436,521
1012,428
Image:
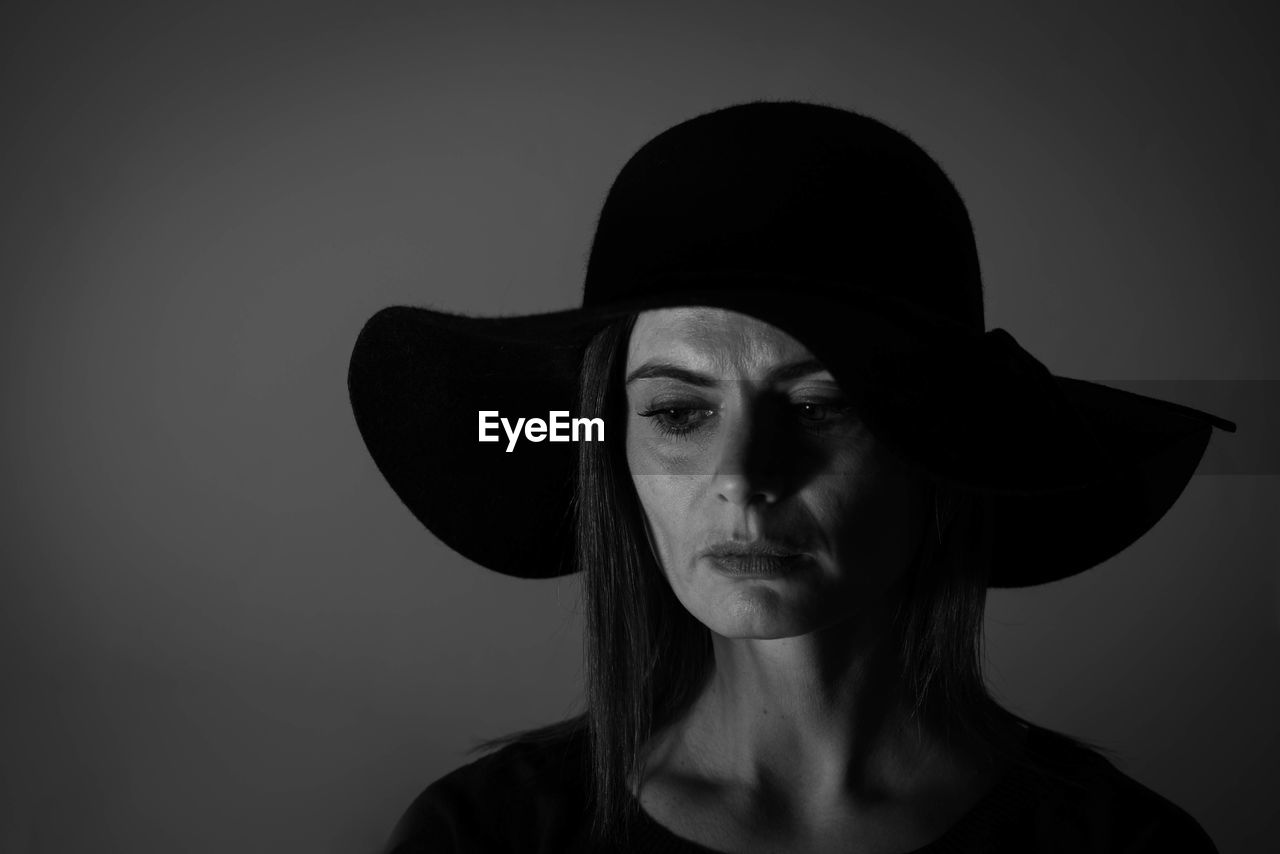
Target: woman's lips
x,y
756,565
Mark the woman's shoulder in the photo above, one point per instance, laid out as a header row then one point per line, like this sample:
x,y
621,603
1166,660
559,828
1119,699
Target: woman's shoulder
x,y
528,795
1079,799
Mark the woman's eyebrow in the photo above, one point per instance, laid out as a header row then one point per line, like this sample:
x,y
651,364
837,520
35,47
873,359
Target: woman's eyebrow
x,y
655,369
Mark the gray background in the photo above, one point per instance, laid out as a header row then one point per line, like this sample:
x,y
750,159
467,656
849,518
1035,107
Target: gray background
x,y
220,631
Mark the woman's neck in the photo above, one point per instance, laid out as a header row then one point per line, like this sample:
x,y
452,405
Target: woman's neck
x,y
818,719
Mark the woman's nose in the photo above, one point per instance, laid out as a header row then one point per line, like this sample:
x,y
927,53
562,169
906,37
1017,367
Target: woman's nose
x,y
746,465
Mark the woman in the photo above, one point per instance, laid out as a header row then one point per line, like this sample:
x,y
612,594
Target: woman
x,y
815,462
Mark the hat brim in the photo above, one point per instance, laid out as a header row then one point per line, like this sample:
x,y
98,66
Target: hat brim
x,y
1076,471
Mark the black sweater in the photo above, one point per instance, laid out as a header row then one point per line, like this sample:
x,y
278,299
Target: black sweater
x,y
529,797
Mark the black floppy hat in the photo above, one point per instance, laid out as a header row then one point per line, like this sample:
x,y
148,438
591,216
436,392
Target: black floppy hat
x,y
843,233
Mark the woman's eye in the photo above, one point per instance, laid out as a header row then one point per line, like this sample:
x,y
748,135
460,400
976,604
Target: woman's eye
x,y
813,412
677,420
684,420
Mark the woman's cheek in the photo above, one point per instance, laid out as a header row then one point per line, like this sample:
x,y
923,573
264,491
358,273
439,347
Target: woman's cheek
x,y
666,500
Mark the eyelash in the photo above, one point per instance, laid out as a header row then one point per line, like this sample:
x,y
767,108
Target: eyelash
x,y
659,424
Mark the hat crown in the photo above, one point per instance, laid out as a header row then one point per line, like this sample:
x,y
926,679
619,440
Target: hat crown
x,y
824,198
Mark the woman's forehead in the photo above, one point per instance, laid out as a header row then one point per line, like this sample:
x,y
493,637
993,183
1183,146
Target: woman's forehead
x,y
712,339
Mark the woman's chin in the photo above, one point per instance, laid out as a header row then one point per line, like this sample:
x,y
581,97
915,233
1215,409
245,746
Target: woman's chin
x,y
764,613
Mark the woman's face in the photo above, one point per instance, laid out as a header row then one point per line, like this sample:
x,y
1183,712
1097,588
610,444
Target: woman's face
x,y
736,438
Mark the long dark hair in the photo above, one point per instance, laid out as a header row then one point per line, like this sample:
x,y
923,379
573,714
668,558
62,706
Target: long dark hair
x,y
647,658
